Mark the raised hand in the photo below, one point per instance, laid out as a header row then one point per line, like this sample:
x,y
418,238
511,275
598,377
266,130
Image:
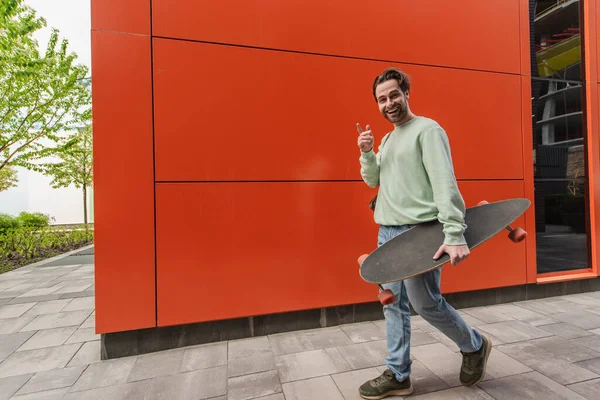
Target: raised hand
x,y
365,139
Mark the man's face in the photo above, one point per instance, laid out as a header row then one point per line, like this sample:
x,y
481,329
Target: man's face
x,y
391,101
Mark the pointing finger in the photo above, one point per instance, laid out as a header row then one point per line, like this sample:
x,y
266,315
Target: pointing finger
x,y
368,127
358,128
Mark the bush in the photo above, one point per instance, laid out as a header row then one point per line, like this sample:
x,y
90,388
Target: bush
x,y
566,209
34,220
8,222
26,245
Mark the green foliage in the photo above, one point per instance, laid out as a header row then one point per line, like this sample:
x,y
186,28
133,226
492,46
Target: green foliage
x,y
8,222
8,177
34,220
42,95
75,166
26,245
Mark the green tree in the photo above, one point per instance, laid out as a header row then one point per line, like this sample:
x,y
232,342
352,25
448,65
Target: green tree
x,y
75,166
42,96
8,178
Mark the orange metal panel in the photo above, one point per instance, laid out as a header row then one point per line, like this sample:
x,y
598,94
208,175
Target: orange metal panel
x,y
590,39
228,250
236,249
498,262
524,33
527,141
473,34
123,182
131,16
289,116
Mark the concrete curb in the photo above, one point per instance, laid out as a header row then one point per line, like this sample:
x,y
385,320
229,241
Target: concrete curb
x,y
55,258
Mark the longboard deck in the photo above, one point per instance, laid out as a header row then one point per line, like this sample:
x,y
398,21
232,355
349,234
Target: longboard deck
x,y
411,252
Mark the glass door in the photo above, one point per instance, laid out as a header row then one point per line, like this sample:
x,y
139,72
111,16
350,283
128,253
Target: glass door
x,y
559,145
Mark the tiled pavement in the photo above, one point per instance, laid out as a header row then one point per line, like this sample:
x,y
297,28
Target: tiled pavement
x,y
545,349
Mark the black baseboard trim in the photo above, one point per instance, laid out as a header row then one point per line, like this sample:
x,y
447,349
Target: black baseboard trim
x,y
143,341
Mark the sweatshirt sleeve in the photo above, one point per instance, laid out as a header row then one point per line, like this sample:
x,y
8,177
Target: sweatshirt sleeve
x,y
438,164
369,163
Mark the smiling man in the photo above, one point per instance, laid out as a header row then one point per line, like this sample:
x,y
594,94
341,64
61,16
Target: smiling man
x,y
414,172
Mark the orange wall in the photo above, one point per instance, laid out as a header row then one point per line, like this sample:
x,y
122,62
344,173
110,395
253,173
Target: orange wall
x,y
228,180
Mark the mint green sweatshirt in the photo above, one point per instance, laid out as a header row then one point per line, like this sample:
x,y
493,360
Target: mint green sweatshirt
x,y
413,169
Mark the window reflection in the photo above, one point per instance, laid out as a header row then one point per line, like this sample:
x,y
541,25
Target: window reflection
x,y
559,154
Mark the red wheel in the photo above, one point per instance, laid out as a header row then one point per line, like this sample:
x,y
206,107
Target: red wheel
x,y
386,297
517,235
482,202
362,258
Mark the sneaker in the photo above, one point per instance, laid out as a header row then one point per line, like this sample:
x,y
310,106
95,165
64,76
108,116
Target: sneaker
x,y
473,365
385,385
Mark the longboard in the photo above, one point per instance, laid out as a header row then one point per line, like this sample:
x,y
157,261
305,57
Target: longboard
x,y
411,252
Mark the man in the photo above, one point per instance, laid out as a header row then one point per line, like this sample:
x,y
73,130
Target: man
x,y
413,169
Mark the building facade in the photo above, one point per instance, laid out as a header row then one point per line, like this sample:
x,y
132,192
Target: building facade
x,y
233,204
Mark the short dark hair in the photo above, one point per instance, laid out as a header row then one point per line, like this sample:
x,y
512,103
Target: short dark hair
x,y
393,73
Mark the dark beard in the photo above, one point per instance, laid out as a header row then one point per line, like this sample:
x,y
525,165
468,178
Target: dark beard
x,y
400,117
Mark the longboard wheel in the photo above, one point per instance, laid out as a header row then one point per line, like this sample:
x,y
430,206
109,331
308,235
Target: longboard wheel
x,y
386,297
482,202
362,259
517,235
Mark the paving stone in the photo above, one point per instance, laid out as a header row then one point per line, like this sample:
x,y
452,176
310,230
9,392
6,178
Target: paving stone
x,y
547,363
583,319
316,388
363,332
48,338
310,364
445,340
32,361
204,356
328,337
84,303
514,331
90,322
487,315
253,386
500,365
135,390
365,355
58,320
288,343
469,319
591,342
39,292
531,385
459,393
157,364
33,299
566,331
441,361
15,310
195,385
550,306
10,385
595,331
589,389
418,338
247,347
516,312
53,379
48,307
83,335
566,349
591,365
88,353
260,362
11,342
56,394
581,298
106,373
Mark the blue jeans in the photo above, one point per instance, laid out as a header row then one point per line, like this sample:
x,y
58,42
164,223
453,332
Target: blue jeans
x,y
423,291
